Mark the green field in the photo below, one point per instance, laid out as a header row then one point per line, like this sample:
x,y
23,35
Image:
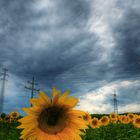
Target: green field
x,y
113,132
116,131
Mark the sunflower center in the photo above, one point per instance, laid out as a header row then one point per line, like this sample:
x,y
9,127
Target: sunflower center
x,y
14,114
94,122
85,118
104,120
138,121
53,117
131,116
123,118
113,116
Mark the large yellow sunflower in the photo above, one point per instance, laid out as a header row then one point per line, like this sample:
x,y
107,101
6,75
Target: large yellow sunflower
x,y
53,119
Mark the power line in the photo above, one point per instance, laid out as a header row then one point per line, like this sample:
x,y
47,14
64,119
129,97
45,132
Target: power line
x,y
3,79
32,87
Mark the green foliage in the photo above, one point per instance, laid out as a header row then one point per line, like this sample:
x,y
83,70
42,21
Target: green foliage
x,y
3,115
99,116
8,131
113,132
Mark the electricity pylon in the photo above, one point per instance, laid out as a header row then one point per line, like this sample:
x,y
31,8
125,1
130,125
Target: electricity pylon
x,y
115,101
32,87
3,79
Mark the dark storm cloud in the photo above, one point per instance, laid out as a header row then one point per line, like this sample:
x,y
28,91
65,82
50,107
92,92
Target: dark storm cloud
x,y
77,12
21,39
24,52
126,56
34,42
51,40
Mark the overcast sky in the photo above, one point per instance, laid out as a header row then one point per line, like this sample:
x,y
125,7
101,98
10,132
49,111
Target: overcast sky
x,y
90,47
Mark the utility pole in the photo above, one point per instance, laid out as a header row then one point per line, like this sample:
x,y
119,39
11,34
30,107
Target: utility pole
x,y
3,79
115,103
32,87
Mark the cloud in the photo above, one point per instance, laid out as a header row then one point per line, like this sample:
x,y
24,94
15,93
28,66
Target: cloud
x,y
132,108
101,99
79,45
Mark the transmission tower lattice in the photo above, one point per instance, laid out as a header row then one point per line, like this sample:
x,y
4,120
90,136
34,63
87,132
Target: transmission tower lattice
x,y
3,79
32,87
115,101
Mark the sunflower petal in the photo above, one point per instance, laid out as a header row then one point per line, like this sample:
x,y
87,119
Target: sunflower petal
x,y
64,96
34,101
38,102
77,112
55,92
27,119
56,96
44,96
32,110
71,102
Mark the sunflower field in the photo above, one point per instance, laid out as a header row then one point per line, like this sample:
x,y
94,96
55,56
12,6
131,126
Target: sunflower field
x,y
56,118
119,130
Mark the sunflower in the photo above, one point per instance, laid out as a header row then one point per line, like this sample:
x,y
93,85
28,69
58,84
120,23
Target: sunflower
x,y
119,117
87,117
136,115
53,119
14,115
104,121
113,117
131,116
125,119
95,123
136,121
